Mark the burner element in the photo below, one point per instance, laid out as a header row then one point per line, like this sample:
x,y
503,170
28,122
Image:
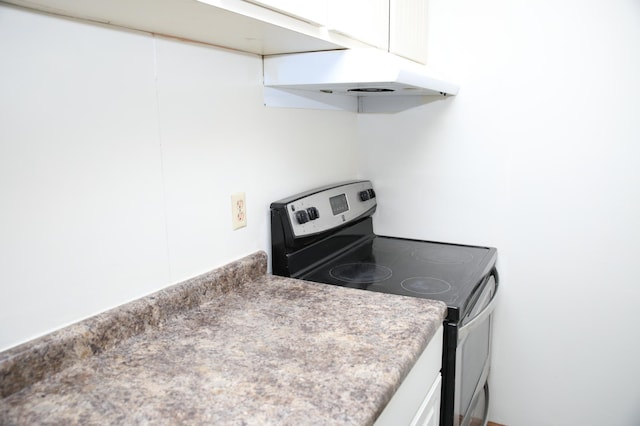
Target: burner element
x,y
361,273
425,285
444,255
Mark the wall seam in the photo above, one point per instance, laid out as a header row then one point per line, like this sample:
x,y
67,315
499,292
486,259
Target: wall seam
x,y
165,211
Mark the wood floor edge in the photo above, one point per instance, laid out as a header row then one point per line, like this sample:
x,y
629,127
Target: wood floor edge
x,y
494,424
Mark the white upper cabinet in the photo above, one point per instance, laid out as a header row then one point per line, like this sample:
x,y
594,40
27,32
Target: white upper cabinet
x,y
408,29
265,27
399,26
313,11
235,24
364,20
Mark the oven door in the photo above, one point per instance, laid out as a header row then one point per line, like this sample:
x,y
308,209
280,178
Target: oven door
x,y
473,360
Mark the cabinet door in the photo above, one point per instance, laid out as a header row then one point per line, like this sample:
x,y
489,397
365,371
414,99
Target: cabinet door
x,y
314,11
417,400
408,29
363,20
429,412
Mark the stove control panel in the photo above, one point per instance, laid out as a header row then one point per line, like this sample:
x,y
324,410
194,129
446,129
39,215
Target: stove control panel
x,y
330,207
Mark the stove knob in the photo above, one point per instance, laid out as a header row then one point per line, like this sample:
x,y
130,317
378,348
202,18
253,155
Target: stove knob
x,y
313,213
364,195
302,217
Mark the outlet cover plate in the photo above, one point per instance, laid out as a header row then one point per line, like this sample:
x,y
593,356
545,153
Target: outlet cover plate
x,y
238,210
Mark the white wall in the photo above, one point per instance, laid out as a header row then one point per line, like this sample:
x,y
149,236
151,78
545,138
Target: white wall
x,y
119,151
118,155
539,155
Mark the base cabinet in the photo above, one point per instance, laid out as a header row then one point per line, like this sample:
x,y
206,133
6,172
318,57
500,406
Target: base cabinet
x,y
429,412
417,400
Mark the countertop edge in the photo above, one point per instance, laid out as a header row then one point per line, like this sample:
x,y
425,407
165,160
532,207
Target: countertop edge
x,y
34,360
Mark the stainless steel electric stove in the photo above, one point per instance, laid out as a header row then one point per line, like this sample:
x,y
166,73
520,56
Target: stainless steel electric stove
x,y
326,235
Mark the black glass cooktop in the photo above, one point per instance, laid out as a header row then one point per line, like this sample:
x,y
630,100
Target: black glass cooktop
x,y
447,272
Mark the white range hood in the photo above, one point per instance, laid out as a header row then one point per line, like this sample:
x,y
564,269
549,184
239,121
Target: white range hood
x,y
361,80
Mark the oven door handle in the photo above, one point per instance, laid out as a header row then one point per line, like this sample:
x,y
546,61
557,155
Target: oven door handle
x,y
463,332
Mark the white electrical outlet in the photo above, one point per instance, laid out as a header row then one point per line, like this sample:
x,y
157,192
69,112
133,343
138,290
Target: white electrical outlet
x,y
238,210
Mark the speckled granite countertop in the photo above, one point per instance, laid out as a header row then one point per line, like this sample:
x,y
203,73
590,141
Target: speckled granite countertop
x,y
235,346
